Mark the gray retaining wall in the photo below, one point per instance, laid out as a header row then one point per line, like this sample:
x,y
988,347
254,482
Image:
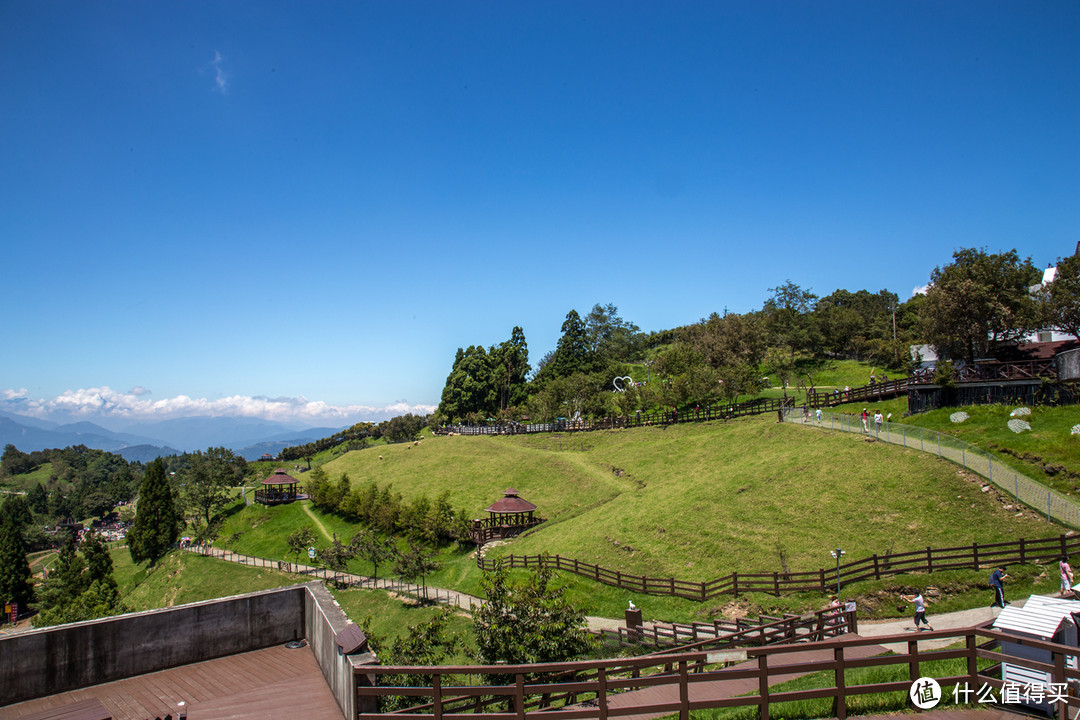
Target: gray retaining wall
x,y
68,657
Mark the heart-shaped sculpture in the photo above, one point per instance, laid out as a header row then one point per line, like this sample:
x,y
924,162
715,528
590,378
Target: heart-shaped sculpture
x,y
621,388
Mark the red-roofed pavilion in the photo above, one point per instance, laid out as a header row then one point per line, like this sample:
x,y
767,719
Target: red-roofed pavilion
x,y
280,487
507,517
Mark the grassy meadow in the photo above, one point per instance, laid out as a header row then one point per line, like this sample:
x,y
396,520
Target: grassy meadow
x,y
694,501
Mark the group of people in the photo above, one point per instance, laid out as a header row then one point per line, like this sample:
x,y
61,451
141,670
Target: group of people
x,y
997,586
878,420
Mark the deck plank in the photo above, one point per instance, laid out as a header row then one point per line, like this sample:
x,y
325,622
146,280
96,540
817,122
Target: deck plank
x,y
272,683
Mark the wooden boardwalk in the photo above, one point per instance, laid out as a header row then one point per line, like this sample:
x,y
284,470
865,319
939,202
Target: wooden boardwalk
x,y
720,689
273,683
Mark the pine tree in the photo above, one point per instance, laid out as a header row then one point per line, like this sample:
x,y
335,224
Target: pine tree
x,y
16,581
157,521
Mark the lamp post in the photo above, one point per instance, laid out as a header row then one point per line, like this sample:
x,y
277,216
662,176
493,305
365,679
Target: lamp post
x,y
837,553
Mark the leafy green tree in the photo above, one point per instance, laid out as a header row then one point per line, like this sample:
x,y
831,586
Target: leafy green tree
x,y
611,339
299,541
472,388
337,556
427,643
206,481
16,579
374,549
38,499
573,353
787,317
977,302
403,428
1062,297
17,510
14,462
416,563
157,521
528,622
510,362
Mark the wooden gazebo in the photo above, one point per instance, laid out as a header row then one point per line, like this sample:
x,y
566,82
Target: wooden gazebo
x,y
279,488
507,517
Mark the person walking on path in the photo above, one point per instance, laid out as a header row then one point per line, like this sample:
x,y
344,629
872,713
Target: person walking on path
x,y
865,421
878,419
1066,576
920,610
819,416
997,584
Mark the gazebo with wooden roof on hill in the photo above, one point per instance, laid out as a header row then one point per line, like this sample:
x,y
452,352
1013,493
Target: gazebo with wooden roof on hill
x,y
279,488
508,517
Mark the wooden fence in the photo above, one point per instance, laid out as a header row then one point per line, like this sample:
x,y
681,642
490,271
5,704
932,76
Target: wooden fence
x,y
697,413
680,683
723,634
875,567
867,393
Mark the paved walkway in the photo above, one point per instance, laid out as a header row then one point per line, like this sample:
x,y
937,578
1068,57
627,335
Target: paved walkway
x,y
867,628
439,595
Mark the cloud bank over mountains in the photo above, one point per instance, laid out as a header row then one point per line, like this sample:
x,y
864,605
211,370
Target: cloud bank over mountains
x,y
103,404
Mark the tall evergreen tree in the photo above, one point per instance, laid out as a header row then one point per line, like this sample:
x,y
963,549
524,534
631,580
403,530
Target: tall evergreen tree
x,y
157,521
16,580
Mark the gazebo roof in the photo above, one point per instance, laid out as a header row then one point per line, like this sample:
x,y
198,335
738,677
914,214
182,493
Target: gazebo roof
x,y
511,503
280,477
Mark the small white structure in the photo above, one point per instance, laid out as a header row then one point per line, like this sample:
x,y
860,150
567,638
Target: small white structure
x,y
1041,618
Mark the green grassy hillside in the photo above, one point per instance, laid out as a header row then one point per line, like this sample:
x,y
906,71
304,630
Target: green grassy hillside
x,y
699,501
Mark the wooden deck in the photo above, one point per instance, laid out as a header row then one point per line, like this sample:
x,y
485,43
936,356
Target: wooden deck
x,y
274,683
719,689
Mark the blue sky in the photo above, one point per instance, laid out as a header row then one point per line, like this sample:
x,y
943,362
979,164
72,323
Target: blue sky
x,y
301,210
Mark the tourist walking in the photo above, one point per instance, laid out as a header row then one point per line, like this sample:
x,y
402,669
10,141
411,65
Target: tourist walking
x,y
878,419
920,610
865,421
1066,576
998,586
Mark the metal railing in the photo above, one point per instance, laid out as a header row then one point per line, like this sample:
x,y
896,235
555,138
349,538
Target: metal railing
x,y
1036,495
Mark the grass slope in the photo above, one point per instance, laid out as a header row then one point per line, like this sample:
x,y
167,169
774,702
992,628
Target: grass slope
x,y
708,500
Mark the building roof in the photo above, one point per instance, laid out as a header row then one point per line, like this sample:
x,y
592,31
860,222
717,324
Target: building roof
x,y
280,477
511,503
1040,616
1034,350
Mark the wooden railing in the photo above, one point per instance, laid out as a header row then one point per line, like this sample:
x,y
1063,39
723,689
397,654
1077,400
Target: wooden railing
x,y
698,413
875,567
487,529
686,681
723,634
866,393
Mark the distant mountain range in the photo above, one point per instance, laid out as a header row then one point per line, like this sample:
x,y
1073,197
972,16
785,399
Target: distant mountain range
x,y
248,437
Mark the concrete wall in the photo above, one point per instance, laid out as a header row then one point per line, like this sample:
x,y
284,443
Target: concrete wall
x,y
323,620
67,657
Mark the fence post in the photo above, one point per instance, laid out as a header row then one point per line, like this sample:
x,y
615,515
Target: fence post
x,y
776,583
877,570
929,559
763,685
735,584
975,555
841,686
1022,550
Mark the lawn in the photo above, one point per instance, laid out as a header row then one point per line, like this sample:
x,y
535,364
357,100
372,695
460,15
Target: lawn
x,y
694,501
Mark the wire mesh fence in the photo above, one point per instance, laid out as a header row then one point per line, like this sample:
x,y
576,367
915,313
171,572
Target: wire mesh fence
x,y
1052,504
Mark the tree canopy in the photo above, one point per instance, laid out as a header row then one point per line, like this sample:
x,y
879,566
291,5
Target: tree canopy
x,y
158,522
977,302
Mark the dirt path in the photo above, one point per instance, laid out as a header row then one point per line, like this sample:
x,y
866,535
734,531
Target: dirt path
x,y
318,523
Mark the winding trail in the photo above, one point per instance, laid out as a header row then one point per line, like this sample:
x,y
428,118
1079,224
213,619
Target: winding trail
x,y
318,523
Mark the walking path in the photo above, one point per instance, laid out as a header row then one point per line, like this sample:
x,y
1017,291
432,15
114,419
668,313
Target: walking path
x,y
867,628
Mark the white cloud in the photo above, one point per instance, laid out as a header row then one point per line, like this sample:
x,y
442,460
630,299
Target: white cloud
x,y
221,78
919,290
104,402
